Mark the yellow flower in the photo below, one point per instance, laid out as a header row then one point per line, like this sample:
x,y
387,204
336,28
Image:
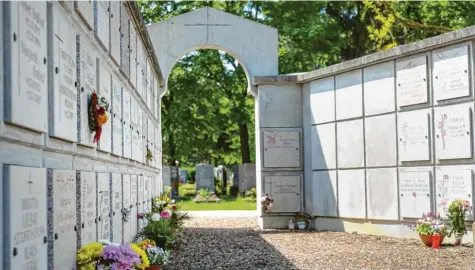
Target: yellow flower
x,y
143,257
88,254
143,245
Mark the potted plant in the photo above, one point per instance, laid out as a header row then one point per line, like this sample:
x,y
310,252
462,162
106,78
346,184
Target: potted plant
x,y
429,225
106,255
456,219
157,257
303,220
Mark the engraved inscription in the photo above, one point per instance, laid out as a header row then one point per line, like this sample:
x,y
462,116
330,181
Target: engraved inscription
x,y
88,207
412,81
450,75
453,132
453,185
413,136
415,195
281,149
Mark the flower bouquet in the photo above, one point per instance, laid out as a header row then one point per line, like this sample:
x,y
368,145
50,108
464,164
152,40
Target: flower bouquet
x,y
456,217
303,220
155,255
267,203
430,224
206,195
97,114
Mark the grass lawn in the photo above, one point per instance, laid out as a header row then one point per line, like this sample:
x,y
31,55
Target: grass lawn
x,y
187,202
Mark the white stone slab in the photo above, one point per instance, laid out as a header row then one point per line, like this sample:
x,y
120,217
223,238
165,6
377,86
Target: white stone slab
x,y
103,206
453,131
124,42
140,68
411,81
379,92
350,144
322,100
85,9
25,218
149,81
453,184
126,126
415,195
64,219
349,95
413,130
26,97
141,190
88,203
140,145
105,90
156,99
116,207
116,116
285,190
325,193
126,206
153,187
147,194
133,201
380,138
450,77
351,193
133,56
114,51
382,193
88,84
323,146
281,149
102,23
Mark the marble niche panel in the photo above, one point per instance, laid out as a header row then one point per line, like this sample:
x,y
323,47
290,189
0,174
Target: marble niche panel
x,y
102,23
114,50
105,90
134,203
453,184
103,206
281,149
133,56
127,208
116,116
414,135
285,190
85,9
126,123
415,194
116,194
411,81
87,203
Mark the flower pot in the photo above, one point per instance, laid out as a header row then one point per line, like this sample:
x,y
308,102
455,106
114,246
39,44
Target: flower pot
x,y
458,239
301,225
154,267
427,239
436,241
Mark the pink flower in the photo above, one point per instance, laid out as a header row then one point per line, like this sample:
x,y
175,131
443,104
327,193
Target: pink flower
x,y
165,214
140,215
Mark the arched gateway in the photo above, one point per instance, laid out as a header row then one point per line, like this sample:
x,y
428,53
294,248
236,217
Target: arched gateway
x,y
278,110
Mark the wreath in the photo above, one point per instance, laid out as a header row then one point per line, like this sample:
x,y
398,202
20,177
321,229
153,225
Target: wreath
x,y
97,111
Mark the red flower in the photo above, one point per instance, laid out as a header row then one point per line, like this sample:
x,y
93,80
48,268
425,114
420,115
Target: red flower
x,y
174,207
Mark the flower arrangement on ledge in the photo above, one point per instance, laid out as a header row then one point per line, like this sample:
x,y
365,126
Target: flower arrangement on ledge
x,y
303,220
155,255
456,213
267,203
97,114
206,195
428,226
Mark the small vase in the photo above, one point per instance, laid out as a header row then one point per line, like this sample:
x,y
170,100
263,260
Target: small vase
x,y
301,225
154,267
427,239
436,241
458,239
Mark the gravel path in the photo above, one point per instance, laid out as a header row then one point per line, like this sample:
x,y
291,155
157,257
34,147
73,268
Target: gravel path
x,y
236,243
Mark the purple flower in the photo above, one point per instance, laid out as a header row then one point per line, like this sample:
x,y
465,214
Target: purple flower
x,y
140,215
122,257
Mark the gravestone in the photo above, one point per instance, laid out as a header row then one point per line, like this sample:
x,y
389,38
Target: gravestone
x,y
26,97
87,203
124,42
322,100
126,207
349,95
114,51
102,23
285,190
103,206
453,133
281,149
85,9
247,177
451,185
105,90
174,180
126,123
62,185
25,218
204,177
450,77
116,117
116,193
134,202
62,91
325,191
414,191
351,193
411,81
183,176
413,129
236,175
166,176
88,85
140,199
133,56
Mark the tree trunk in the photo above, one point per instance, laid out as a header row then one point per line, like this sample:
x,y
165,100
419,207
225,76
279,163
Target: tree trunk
x,y
244,137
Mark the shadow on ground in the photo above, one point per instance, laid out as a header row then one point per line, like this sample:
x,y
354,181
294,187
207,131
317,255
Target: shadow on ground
x,y
226,248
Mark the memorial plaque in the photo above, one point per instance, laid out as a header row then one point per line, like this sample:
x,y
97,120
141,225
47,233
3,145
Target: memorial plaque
x,y
140,67
450,77
140,199
85,9
26,97
411,81
64,219
87,204
103,206
102,23
147,195
126,206
145,137
134,128
381,193
116,116
281,149
115,31
133,56
453,133
379,88
88,85
133,201
124,42
323,146
322,100
25,218
116,208
105,90
351,193
325,190
127,124
285,190
349,95
451,185
415,195
350,144
63,93
413,129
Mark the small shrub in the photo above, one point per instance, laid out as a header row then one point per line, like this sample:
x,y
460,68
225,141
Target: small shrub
x,y
234,191
251,193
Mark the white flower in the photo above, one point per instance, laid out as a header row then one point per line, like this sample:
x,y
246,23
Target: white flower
x,y
105,242
156,217
145,222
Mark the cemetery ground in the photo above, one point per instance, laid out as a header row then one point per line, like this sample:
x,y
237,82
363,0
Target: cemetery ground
x,y
227,202
237,243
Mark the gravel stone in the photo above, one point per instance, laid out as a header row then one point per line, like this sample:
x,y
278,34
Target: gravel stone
x,y
237,243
